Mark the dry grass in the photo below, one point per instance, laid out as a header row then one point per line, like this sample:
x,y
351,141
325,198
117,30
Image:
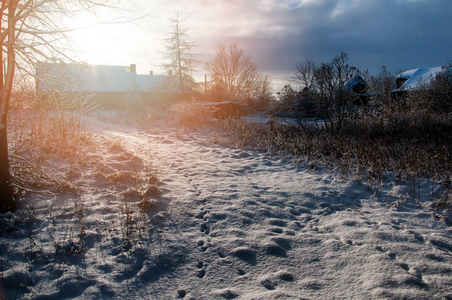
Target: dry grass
x,y
37,136
414,147
49,148
50,132
191,114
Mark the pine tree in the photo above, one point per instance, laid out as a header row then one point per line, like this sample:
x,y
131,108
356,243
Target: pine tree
x,y
182,62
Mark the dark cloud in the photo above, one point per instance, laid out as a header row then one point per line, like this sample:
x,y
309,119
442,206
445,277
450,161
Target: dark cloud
x,y
400,34
279,34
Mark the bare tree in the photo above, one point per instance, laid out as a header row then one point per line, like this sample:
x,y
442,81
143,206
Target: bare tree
x,y
182,61
305,75
327,86
382,87
234,75
262,94
30,32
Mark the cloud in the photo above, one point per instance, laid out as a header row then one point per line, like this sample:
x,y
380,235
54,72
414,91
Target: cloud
x,y
278,34
400,34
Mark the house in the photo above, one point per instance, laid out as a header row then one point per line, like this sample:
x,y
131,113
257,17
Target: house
x,y
415,79
107,85
358,87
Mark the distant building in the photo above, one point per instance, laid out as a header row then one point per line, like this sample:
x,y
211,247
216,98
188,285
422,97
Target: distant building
x,y
108,85
413,80
358,87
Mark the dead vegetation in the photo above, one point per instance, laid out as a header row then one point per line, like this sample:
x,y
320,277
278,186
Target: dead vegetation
x,y
396,136
57,160
191,114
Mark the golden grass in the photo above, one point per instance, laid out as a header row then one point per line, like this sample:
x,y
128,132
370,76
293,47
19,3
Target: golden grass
x,y
191,114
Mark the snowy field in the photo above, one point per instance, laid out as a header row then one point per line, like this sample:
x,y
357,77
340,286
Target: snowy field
x,y
219,223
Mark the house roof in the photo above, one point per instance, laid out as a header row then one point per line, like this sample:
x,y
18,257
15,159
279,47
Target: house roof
x,y
94,79
417,77
357,80
148,82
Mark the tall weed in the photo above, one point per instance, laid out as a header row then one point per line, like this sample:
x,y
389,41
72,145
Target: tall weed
x,y
191,114
415,146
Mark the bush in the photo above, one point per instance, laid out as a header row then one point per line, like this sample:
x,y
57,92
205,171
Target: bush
x,y
328,89
191,113
416,146
434,96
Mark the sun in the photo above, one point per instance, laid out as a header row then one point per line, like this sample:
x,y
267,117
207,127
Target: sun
x,y
97,42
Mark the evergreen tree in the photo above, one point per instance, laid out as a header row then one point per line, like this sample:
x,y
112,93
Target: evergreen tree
x,y
182,62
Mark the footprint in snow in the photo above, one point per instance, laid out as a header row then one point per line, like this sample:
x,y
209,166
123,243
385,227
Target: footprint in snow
x,y
201,215
240,155
276,230
205,228
404,266
181,293
442,245
271,281
278,222
245,254
283,242
275,250
221,253
286,277
268,284
225,294
241,272
201,273
203,150
202,246
202,270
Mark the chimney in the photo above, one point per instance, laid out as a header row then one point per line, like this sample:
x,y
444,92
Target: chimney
x,y
133,68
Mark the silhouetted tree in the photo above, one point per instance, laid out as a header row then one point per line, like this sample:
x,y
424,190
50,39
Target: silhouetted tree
x,y
327,86
262,95
381,87
304,74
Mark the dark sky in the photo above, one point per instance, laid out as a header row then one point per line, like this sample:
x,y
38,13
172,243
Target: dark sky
x,y
400,34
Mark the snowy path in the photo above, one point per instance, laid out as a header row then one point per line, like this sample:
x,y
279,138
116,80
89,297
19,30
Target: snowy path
x,y
244,225
235,223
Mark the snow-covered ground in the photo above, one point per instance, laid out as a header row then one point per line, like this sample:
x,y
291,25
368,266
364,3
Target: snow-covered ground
x,y
229,223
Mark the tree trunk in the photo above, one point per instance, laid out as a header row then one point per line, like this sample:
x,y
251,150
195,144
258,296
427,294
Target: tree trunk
x,y
7,201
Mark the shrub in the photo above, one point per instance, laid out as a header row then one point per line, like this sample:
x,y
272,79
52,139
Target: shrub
x,y
434,96
417,146
191,113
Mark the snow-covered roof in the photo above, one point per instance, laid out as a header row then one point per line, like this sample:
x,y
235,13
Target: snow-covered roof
x,y
415,78
407,74
94,79
357,80
148,82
